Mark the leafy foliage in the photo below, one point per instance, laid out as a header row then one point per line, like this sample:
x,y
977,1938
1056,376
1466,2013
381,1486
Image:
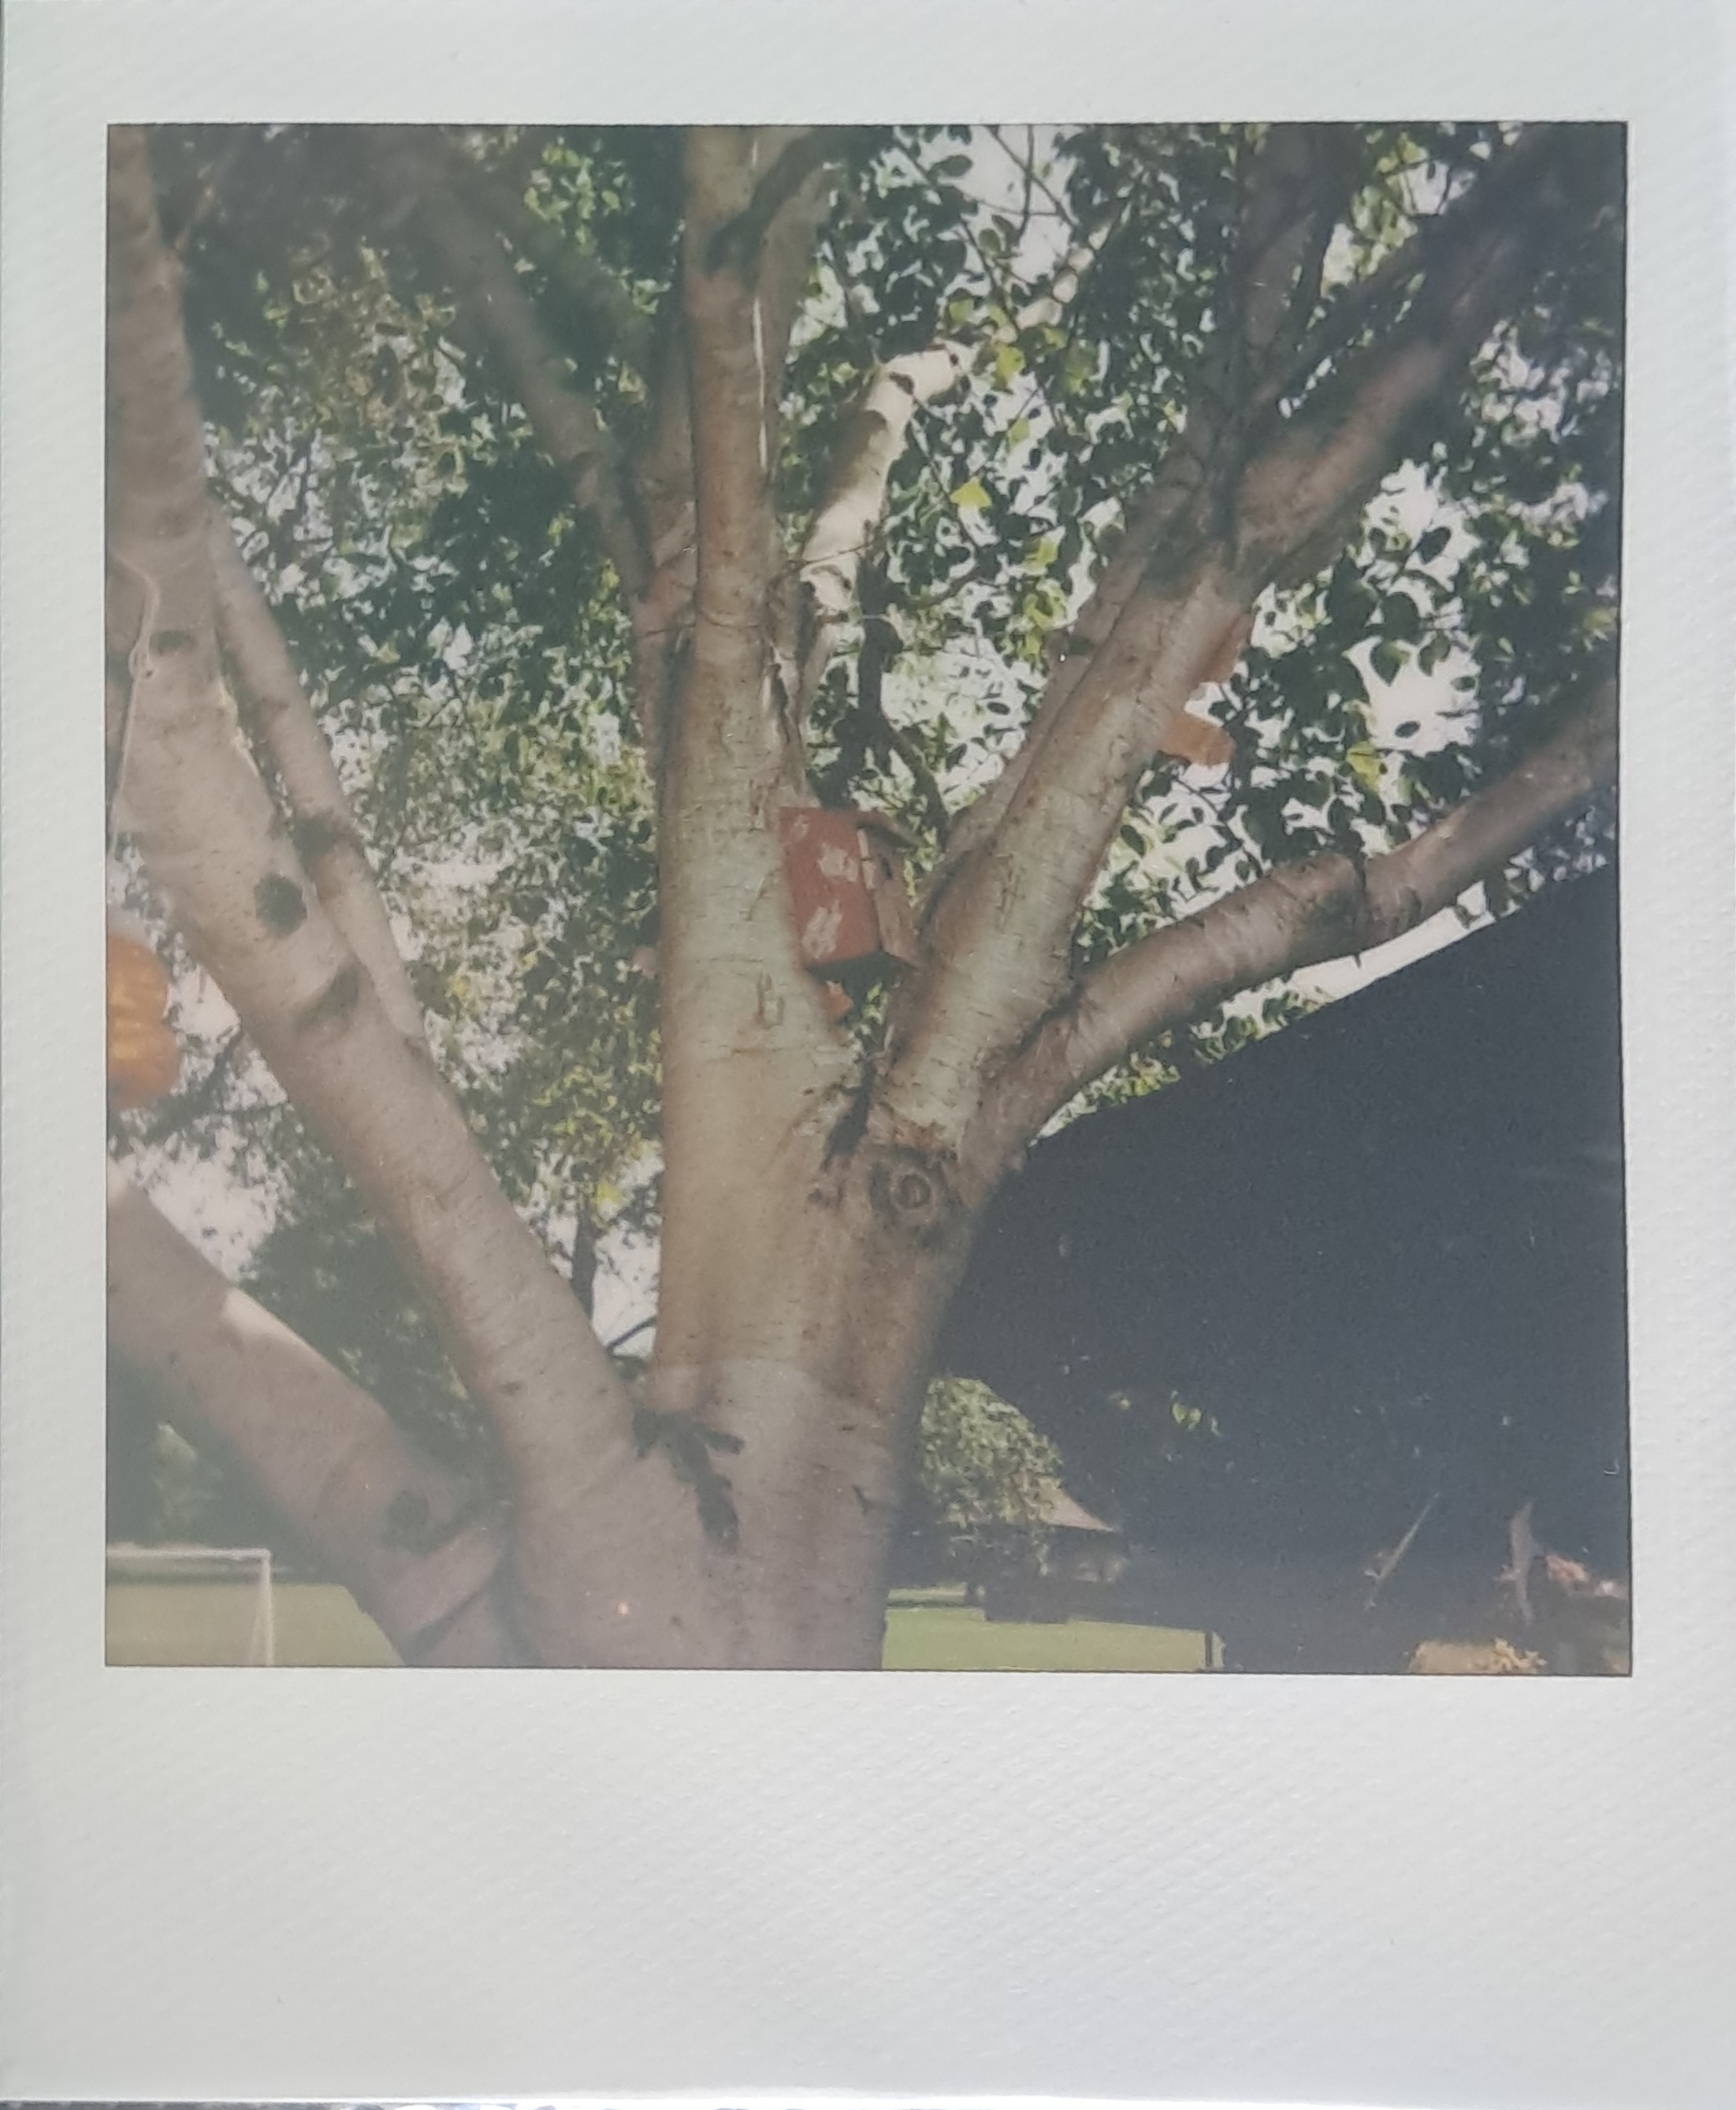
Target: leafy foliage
x,y
980,1464
463,635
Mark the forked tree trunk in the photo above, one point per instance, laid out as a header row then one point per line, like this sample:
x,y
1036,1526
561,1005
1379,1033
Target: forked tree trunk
x,y
817,1215
793,1347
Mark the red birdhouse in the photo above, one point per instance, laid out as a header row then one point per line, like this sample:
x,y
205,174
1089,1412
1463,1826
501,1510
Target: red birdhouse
x,y
847,883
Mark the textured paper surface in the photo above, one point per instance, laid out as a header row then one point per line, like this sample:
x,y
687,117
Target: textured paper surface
x,y
1449,1893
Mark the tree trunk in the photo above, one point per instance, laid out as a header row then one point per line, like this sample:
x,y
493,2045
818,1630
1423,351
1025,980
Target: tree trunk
x,y
792,1356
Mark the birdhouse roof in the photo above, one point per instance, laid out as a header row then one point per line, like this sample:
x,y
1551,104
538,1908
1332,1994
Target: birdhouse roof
x,y
1065,1514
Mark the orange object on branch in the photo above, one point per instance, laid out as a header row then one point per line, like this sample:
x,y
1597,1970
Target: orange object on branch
x,y
847,884
1190,739
144,1058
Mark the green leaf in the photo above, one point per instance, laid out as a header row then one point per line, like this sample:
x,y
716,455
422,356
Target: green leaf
x,y
969,496
1387,660
1399,616
1365,761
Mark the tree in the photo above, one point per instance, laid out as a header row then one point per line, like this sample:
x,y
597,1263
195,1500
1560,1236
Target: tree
x,y
981,1465
599,499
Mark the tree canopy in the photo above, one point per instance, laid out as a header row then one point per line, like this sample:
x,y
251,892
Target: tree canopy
x,y
982,450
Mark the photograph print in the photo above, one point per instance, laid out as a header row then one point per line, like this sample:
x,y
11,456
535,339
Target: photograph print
x,y
862,902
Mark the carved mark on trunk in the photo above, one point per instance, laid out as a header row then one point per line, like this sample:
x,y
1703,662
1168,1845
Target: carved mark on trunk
x,y
410,1524
913,1195
280,904
335,1002
688,1444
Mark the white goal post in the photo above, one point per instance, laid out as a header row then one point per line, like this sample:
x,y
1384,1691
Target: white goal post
x,y
208,1564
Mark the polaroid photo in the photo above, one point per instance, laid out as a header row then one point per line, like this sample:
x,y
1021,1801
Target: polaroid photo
x,y
910,852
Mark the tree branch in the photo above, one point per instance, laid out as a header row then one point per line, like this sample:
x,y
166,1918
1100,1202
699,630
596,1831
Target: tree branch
x,y
1166,504
738,243
493,297
1323,909
874,437
214,846
663,478
999,937
786,250
730,979
1300,184
595,293
322,826
663,469
843,526
404,1538
1183,477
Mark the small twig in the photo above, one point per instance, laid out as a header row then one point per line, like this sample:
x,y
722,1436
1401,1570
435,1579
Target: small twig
x,y
620,1340
1382,1571
198,1099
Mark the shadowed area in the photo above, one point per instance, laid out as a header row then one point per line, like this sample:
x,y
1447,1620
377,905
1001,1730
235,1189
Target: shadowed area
x,y
1382,1251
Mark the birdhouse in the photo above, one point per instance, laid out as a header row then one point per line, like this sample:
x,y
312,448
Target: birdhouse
x,y
143,1059
846,876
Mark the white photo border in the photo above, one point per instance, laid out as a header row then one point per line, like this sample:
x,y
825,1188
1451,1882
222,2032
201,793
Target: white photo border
x,y
218,1885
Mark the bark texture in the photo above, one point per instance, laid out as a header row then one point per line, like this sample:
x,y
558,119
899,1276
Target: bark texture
x,y
585,1502
410,1543
818,1205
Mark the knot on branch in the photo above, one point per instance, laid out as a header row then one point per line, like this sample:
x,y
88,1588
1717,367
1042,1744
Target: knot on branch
x,y
913,1194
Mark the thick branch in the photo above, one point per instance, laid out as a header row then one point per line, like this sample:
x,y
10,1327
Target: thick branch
x,y
594,292
798,156
663,478
804,171
584,1509
406,1540
791,200
1166,504
1297,915
323,825
745,1037
873,439
1000,937
1182,479
493,297
1301,183
855,495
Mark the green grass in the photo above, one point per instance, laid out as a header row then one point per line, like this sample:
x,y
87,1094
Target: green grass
x,y
931,1636
211,1623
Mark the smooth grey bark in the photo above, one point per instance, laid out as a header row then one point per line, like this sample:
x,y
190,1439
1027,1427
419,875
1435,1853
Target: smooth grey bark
x,y
408,1542
322,826
585,1502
